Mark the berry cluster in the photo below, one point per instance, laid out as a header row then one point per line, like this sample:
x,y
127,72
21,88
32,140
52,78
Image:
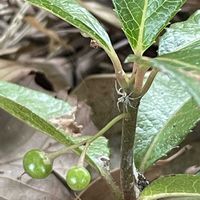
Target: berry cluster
x,y
39,165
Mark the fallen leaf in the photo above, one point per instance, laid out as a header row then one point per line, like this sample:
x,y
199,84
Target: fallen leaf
x,y
13,70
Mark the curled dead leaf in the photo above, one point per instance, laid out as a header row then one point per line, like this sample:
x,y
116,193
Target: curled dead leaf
x,y
67,124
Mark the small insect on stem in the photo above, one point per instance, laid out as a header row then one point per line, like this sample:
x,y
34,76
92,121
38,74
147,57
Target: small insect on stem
x,y
142,182
124,98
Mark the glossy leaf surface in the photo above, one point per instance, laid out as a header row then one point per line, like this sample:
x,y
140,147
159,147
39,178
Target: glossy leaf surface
x,y
173,187
167,114
184,65
181,48
180,34
143,20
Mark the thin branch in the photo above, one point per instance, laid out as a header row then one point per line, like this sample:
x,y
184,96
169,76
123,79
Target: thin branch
x,y
173,157
121,76
149,81
64,150
15,25
83,154
139,78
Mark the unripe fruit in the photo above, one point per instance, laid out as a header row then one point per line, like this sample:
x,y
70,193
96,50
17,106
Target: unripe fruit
x,y
78,178
37,164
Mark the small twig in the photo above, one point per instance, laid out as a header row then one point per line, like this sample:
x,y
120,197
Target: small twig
x,y
15,25
139,78
149,81
77,197
83,154
134,70
177,154
128,174
121,76
53,155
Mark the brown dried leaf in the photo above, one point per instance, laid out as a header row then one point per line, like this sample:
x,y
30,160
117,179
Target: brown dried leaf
x,y
57,70
55,40
99,93
13,71
80,122
67,124
13,189
10,50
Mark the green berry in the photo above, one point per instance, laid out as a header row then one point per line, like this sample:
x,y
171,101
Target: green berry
x,y
78,178
37,164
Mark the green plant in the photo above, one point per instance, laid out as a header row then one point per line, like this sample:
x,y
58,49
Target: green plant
x,y
37,164
163,108
78,178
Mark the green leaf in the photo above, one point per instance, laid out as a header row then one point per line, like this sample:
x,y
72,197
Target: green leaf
x,y
71,12
167,114
38,109
180,34
35,108
184,65
181,46
143,20
179,186
97,150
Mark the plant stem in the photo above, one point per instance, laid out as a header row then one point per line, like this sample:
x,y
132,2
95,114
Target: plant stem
x,y
121,76
128,180
128,175
139,77
108,126
83,154
149,81
64,150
